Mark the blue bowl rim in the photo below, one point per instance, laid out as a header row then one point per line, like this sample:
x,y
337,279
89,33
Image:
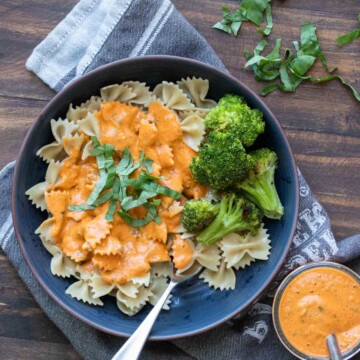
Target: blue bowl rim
x,y
248,93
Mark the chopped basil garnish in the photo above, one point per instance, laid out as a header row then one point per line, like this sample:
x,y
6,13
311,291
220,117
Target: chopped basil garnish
x,y
113,200
292,68
115,185
269,22
249,10
81,207
231,23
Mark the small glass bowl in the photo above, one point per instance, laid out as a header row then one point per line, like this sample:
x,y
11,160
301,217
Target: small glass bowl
x,y
275,312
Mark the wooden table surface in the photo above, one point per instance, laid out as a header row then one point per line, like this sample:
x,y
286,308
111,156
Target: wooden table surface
x,y
322,124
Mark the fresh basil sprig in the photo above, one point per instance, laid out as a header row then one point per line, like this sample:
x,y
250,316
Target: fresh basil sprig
x,y
249,10
116,185
292,68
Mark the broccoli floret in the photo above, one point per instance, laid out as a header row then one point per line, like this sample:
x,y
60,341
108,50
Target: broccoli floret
x,y
222,161
259,186
230,100
233,115
236,214
198,214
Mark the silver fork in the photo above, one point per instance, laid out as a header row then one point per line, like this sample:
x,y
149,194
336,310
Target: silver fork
x,y
132,348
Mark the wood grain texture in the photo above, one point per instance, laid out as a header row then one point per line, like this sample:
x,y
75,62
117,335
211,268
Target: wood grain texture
x,y
322,123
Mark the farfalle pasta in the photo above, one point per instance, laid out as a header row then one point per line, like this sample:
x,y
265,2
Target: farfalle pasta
x,y
240,250
193,129
115,188
61,130
223,278
197,89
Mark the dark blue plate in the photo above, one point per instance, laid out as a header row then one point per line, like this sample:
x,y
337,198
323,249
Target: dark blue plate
x,y
195,307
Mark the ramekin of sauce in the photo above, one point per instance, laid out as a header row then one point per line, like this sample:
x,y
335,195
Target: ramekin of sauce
x,y
313,301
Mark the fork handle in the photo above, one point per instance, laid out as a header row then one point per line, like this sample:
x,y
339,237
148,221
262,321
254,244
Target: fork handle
x,y
133,346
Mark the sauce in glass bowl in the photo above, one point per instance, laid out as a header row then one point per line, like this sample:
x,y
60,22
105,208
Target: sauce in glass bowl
x,y
314,301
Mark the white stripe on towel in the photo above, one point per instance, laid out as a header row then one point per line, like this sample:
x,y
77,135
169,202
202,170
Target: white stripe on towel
x,y
8,237
5,228
162,23
163,9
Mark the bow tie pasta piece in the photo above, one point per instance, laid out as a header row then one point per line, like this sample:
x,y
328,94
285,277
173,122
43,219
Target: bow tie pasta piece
x,y
157,286
133,303
129,289
95,231
81,290
235,247
86,150
161,269
197,89
62,266
45,230
99,287
142,280
52,172
85,271
171,96
143,95
60,129
73,241
246,260
126,310
184,114
73,142
193,269
36,193
166,155
89,126
76,114
223,278
208,256
193,129
80,112
93,104
51,248
109,246
117,92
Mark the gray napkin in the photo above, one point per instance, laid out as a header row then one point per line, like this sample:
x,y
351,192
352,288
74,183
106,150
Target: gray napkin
x,y
95,33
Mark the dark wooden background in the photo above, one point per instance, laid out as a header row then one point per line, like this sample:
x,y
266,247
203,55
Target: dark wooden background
x,y
322,124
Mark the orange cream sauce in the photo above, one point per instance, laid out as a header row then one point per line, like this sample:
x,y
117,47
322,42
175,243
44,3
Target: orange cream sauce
x,y
316,303
182,252
115,250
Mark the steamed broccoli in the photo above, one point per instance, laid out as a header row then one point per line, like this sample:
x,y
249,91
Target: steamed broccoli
x,y
259,186
235,214
233,115
222,161
197,214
